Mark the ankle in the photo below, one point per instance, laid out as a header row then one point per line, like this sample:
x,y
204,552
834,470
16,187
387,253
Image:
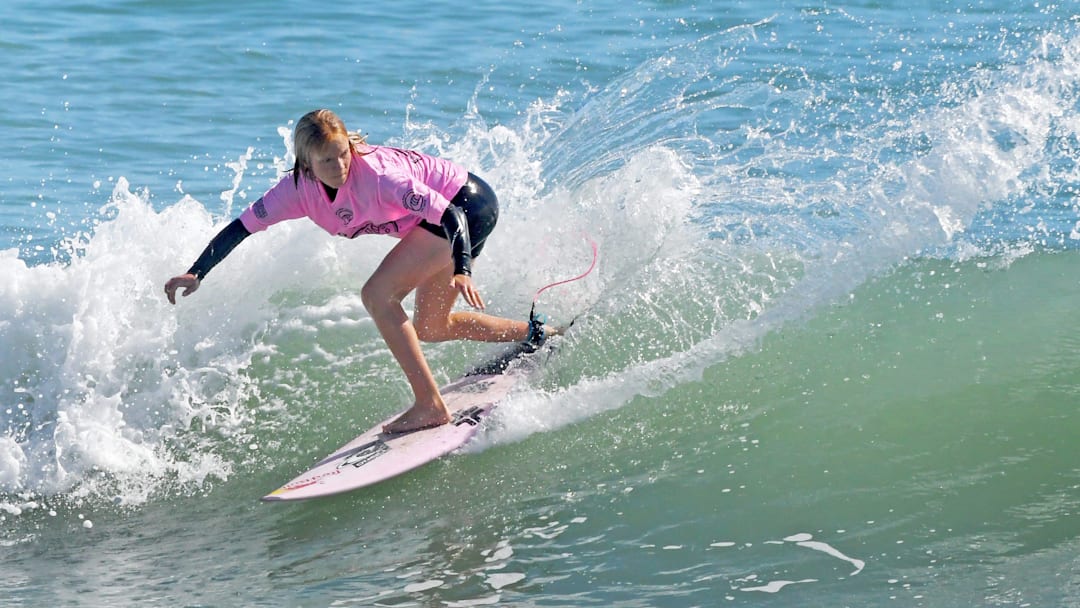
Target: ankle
x,y
537,332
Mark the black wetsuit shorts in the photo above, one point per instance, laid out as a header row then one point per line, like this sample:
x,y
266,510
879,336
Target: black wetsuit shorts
x,y
481,207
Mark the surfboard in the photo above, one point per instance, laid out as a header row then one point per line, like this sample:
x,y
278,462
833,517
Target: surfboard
x,y
376,456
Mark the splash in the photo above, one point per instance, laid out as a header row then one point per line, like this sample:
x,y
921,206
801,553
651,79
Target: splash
x,y
82,355
725,206
711,243
111,394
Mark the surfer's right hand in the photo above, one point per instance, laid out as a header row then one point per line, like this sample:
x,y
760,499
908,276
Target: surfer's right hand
x,y
188,281
463,283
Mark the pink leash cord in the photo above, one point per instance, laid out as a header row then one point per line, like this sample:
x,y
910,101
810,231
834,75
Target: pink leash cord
x,y
595,256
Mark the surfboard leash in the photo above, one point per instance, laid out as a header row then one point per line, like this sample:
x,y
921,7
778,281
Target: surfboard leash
x,y
595,256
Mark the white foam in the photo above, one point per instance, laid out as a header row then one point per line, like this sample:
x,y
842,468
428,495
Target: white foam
x,y
482,601
423,586
806,540
503,579
105,373
776,586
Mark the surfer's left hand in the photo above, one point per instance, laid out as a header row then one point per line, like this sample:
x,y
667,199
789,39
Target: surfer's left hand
x,y
463,283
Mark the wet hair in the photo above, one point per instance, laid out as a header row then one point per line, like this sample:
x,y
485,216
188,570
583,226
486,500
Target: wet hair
x,y
312,132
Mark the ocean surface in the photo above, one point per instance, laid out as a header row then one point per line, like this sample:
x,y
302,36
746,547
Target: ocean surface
x,y
829,356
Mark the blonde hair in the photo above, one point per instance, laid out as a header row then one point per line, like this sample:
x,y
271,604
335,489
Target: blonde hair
x,y
312,132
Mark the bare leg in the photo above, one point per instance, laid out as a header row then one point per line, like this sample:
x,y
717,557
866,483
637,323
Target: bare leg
x,y
411,262
437,322
421,261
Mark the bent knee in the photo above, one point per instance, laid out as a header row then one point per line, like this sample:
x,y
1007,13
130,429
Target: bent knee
x,y
432,332
375,297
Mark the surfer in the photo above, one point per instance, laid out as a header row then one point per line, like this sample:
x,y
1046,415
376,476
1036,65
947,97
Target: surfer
x,y
442,215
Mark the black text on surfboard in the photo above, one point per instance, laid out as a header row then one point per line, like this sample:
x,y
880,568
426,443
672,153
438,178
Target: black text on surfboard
x,y
470,417
365,454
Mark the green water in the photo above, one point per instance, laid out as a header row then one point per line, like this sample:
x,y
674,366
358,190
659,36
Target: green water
x,y
923,431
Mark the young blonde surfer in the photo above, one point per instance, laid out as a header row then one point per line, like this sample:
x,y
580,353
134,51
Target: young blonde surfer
x,y
442,215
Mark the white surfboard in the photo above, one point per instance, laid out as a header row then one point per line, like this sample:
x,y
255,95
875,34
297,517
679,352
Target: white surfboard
x,y
376,456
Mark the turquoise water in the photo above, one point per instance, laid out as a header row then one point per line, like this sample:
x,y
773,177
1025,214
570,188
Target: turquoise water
x,y
828,357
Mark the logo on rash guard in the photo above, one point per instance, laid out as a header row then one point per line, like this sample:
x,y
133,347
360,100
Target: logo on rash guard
x,y
259,209
414,201
345,215
390,227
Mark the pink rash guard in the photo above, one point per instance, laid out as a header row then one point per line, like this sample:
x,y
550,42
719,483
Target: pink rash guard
x,y
388,191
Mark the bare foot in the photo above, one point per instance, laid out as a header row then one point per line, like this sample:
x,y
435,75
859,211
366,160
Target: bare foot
x,y
418,417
